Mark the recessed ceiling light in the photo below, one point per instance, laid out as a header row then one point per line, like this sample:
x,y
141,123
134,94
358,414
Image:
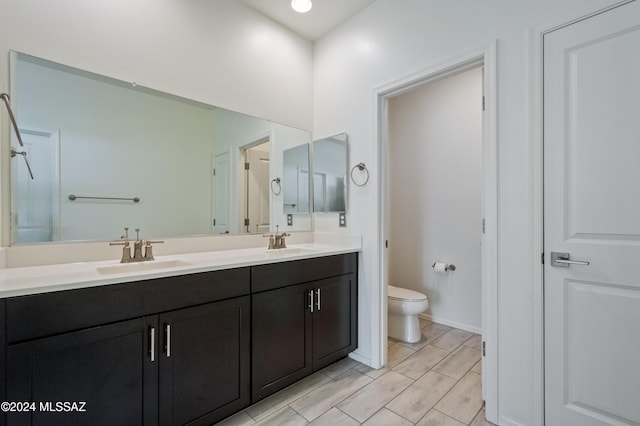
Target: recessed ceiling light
x,y
301,6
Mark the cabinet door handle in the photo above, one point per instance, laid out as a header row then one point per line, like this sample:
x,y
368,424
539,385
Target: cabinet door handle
x,y
310,300
152,343
318,299
167,340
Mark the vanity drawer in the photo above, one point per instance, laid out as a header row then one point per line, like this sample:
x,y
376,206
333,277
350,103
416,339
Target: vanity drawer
x,y
39,315
278,275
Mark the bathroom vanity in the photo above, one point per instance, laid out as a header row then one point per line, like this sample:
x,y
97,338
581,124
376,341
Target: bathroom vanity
x,y
192,347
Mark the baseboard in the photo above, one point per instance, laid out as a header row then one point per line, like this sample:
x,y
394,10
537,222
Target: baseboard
x,y
505,421
453,324
361,359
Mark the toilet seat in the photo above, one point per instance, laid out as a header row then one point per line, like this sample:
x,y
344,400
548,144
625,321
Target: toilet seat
x,y
399,293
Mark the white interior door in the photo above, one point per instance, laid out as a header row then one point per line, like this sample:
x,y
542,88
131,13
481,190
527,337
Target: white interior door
x,y
592,213
222,194
258,191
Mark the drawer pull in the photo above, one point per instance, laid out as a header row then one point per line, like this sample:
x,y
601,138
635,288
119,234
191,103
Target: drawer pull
x,y
318,299
152,343
311,301
167,329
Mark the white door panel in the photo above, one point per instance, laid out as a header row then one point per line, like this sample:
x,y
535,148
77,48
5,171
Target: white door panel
x,y
258,210
222,194
592,211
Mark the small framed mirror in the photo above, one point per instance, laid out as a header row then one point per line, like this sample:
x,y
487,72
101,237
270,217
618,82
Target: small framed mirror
x,y
295,180
330,174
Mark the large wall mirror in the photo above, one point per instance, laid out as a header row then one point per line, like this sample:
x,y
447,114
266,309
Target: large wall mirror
x,y
330,174
107,154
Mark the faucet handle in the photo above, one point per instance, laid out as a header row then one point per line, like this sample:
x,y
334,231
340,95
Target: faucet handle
x,y
126,251
272,241
148,253
137,234
148,249
119,243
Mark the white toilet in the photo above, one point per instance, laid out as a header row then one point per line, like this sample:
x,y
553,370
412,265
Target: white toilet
x,y
404,307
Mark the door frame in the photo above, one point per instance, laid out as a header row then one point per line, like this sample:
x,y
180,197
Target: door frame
x,y
483,56
535,43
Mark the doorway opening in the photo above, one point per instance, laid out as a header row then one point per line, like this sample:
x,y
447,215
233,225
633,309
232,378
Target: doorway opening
x,y
256,208
484,62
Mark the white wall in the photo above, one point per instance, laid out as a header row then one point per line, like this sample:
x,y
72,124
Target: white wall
x,y
391,40
215,51
435,175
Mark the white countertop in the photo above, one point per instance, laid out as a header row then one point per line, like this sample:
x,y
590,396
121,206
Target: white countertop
x,y
43,279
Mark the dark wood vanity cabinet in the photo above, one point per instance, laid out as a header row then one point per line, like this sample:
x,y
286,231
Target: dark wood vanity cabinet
x,y
281,325
105,370
183,366
334,319
184,350
304,317
204,362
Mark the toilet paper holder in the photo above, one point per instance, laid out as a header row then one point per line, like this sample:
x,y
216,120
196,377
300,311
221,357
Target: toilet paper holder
x,y
448,267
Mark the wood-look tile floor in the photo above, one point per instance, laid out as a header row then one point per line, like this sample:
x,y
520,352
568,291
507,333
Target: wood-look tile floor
x,y
435,382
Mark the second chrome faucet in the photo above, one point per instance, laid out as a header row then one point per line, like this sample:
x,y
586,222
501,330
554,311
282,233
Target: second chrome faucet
x,y
138,256
277,240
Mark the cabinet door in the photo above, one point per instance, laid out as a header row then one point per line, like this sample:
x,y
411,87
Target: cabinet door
x,y
334,319
204,362
281,339
108,367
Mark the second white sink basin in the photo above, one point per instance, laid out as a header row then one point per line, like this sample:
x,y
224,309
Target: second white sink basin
x,y
290,251
149,265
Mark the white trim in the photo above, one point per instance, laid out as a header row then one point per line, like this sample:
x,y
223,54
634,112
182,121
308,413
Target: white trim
x,y
486,56
454,324
534,42
378,289
356,356
490,304
505,421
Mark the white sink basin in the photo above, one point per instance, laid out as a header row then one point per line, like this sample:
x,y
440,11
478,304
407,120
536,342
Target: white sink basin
x,y
150,265
290,251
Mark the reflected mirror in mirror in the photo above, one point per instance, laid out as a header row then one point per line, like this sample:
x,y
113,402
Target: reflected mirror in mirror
x,y
329,174
92,136
295,180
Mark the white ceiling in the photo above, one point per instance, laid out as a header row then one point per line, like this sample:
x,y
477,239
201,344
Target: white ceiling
x,y
323,16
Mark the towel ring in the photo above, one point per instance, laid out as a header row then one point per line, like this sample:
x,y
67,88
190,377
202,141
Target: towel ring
x,y
362,168
278,187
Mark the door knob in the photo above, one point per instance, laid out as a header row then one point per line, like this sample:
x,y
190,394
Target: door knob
x,y
561,260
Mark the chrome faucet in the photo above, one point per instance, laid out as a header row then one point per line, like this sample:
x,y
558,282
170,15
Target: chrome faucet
x,y
280,241
137,248
277,240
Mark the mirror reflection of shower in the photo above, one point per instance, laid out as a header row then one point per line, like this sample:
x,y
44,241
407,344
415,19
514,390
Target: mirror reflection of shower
x,y
14,152
256,189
